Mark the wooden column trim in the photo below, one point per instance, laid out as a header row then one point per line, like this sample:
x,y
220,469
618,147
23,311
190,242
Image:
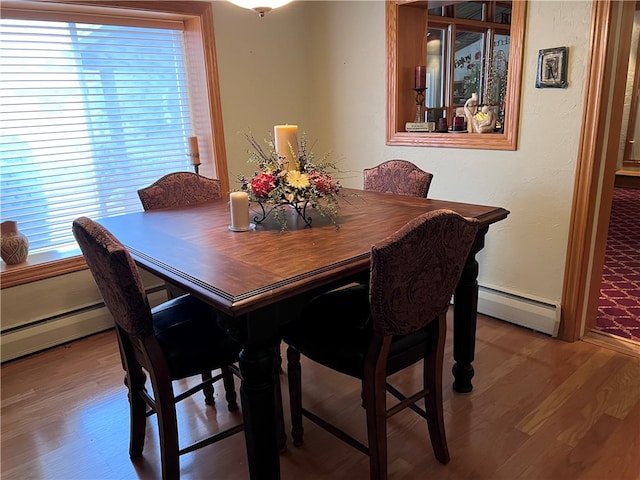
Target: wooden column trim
x,y
586,180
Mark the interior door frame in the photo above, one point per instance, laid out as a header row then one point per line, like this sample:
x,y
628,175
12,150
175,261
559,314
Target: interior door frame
x,y
611,28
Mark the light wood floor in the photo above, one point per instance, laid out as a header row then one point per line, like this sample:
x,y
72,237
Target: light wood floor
x,y
540,409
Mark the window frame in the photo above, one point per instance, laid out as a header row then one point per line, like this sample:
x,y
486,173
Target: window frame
x,y
199,38
406,29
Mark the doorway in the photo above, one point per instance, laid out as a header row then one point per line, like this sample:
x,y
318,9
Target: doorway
x,y
618,312
612,25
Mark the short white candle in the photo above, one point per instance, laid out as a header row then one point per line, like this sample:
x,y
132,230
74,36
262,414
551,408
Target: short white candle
x,y
239,203
286,144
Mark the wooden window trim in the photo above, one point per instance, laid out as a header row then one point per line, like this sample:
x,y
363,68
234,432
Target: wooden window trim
x,y
405,23
40,268
198,16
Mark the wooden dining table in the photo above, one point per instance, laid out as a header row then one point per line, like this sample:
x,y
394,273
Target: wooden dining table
x,y
261,278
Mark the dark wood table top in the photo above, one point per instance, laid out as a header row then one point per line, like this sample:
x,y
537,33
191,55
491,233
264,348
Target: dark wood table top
x,y
239,272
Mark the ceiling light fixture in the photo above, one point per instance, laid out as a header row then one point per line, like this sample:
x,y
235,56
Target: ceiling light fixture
x,y
260,6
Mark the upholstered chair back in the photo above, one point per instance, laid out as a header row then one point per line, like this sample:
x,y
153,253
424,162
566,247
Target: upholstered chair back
x,y
179,189
414,272
398,176
116,275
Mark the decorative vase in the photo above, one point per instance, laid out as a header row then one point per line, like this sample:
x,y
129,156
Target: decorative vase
x,y
14,246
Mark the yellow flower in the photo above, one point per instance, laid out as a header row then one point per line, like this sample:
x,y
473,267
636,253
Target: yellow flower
x,y
297,179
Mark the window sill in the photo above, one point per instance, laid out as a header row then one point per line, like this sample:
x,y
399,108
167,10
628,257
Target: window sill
x,y
485,141
41,266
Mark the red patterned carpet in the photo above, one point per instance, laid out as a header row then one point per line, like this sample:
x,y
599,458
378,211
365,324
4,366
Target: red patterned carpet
x,y
619,307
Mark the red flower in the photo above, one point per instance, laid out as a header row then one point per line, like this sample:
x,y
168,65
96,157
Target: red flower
x,y
262,184
321,182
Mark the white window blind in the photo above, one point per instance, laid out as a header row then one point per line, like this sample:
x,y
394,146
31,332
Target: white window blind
x,y
89,114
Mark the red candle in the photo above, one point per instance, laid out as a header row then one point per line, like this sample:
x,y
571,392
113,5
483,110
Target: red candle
x,y
458,124
421,77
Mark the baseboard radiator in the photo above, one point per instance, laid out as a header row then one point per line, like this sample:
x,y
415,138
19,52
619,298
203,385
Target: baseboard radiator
x,y
61,329
535,314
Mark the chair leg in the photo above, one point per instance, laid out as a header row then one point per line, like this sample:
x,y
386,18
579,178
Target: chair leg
x,y
279,362
168,432
208,389
277,391
294,373
374,393
230,388
137,413
433,384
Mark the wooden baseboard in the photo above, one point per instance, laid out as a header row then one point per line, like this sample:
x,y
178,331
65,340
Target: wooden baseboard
x,y
612,342
628,179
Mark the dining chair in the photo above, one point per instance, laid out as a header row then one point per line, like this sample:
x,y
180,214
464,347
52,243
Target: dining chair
x,y
173,341
396,321
179,189
398,176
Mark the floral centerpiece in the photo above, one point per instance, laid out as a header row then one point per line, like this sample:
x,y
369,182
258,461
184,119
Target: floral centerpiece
x,y
289,177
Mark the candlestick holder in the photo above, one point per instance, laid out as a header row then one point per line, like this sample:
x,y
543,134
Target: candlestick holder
x,y
195,161
299,207
419,104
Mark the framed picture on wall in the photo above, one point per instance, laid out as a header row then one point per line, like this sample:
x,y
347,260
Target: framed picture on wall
x,y
552,68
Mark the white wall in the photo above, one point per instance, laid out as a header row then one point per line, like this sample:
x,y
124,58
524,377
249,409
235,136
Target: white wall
x,y
342,70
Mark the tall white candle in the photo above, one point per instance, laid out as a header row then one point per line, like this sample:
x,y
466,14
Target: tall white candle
x,y
239,203
286,144
193,150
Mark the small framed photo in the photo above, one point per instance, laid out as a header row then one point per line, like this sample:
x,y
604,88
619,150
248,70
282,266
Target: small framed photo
x,y
552,68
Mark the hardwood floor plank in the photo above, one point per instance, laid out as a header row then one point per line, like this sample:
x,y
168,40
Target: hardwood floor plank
x,y
604,444
620,406
554,402
541,409
614,385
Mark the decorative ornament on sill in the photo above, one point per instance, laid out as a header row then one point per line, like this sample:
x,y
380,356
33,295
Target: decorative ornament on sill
x,y
470,110
485,120
480,120
14,248
288,177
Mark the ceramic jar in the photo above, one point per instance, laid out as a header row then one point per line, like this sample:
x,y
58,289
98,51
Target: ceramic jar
x,y
14,246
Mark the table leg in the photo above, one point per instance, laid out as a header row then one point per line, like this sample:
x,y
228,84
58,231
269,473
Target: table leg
x,y
464,318
257,394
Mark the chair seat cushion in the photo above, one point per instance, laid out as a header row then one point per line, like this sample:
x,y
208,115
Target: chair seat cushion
x,y
335,330
190,337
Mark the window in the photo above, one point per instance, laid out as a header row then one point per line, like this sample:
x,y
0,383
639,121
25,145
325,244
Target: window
x,y
467,47
97,105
